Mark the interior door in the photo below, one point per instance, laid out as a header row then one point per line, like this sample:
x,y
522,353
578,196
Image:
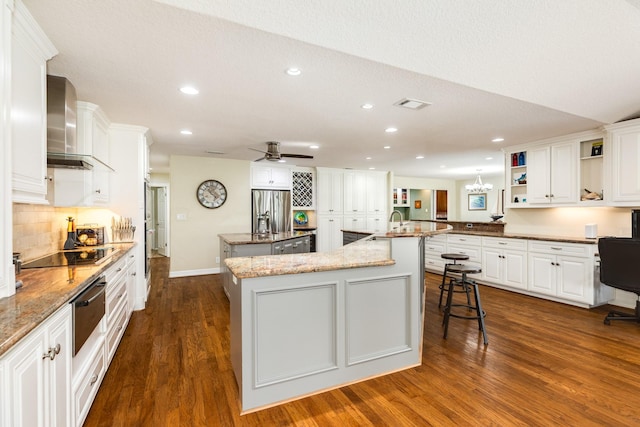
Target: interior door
x,y
161,221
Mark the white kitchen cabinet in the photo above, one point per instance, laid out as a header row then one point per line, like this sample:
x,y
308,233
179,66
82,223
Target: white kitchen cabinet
x,y
401,197
552,174
330,191
623,165
467,245
565,271
31,49
377,193
355,222
37,371
329,233
74,187
504,261
269,177
355,192
117,306
376,223
434,247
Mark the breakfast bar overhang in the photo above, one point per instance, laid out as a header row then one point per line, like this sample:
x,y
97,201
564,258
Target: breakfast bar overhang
x,y
307,323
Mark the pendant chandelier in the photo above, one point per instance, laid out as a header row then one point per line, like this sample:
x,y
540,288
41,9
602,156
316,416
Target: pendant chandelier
x,y
478,186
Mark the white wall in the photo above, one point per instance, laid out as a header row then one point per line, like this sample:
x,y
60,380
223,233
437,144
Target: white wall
x,y
194,239
464,214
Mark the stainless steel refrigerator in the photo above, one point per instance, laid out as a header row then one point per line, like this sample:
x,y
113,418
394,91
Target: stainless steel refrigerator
x,y
277,203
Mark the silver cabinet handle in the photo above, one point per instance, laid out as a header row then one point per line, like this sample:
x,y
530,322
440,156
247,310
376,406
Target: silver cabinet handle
x,y
93,380
98,191
52,353
556,249
502,243
119,270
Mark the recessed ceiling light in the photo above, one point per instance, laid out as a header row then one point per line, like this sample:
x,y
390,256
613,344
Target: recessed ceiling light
x,y
371,169
294,71
386,147
186,132
368,158
391,130
497,140
366,106
189,90
314,147
489,158
419,157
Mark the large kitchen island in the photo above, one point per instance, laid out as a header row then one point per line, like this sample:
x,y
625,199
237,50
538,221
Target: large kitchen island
x,y
306,323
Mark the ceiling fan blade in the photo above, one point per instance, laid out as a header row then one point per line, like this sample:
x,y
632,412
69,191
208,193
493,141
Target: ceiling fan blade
x,y
257,160
297,156
259,151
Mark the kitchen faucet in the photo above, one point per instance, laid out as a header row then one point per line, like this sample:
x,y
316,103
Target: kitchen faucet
x,y
394,212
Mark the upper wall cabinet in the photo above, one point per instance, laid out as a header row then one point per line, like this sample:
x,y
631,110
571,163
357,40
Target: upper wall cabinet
x,y
268,177
74,187
330,191
31,49
623,165
552,174
560,171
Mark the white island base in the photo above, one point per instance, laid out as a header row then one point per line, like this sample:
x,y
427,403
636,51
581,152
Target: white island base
x,y
294,335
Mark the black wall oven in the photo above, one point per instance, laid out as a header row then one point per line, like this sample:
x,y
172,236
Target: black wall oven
x,y
88,310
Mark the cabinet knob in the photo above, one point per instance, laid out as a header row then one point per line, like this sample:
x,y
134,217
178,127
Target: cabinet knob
x,y
98,191
93,380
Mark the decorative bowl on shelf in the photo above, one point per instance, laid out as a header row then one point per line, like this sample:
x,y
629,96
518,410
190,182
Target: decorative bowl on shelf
x,y
300,218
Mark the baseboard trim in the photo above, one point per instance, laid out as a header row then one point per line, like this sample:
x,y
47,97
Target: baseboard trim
x,y
187,273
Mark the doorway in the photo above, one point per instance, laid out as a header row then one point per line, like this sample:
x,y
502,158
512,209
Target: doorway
x,y
159,219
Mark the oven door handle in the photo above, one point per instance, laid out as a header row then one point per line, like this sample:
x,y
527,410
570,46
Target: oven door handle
x,y
85,303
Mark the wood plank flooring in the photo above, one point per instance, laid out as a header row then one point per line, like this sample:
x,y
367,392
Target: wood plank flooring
x,y
546,364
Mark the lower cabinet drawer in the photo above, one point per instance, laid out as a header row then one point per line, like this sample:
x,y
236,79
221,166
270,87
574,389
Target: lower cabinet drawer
x,y
116,330
114,296
87,387
436,264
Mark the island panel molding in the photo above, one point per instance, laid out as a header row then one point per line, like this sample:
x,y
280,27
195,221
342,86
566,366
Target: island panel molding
x,y
378,317
298,341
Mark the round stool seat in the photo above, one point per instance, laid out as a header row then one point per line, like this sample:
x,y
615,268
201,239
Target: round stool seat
x,y
462,268
455,257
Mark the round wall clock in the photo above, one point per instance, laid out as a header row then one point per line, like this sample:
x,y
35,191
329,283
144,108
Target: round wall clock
x,y
211,194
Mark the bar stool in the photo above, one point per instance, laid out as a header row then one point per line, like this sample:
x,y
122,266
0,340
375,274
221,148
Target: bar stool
x,y
467,284
443,287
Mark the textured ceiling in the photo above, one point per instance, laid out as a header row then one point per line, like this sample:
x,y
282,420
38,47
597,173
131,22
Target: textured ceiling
x,y
522,70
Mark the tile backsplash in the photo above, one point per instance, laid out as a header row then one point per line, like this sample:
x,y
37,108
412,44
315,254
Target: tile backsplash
x,y
39,230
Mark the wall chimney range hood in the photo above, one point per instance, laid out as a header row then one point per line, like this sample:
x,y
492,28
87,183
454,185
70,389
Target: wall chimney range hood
x,y
62,142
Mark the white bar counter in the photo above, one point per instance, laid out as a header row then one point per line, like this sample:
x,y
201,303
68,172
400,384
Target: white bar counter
x,y
302,324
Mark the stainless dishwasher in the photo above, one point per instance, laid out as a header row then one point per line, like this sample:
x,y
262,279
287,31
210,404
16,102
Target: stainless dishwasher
x,y
88,310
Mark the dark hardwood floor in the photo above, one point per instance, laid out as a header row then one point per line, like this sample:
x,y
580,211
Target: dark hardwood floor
x,y
546,364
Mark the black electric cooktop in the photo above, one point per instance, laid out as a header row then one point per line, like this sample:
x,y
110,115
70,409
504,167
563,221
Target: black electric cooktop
x,y
85,256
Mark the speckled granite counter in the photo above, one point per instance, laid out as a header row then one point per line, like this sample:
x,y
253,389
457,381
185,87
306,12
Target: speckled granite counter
x,y
363,253
442,226
249,238
44,291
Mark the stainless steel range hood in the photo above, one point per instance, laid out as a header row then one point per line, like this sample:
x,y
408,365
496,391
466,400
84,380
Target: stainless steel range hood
x,y
62,143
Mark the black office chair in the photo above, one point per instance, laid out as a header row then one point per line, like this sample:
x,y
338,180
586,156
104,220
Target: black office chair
x,y
619,262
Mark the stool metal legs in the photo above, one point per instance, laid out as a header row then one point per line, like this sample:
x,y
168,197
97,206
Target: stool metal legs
x,y
443,286
480,314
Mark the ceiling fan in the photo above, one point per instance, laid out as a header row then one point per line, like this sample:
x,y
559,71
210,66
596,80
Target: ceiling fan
x,y
273,153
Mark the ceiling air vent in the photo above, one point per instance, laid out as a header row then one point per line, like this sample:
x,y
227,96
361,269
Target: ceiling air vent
x,y
412,104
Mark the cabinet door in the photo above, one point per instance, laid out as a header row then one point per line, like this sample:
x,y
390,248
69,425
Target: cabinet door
x,y
515,269
564,173
575,279
59,375
539,175
101,175
330,191
376,223
329,234
492,265
377,193
355,192
354,223
28,113
624,166
270,177
281,178
26,374
542,273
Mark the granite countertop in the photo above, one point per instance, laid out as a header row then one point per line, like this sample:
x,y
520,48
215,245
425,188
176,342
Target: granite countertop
x,y
44,291
559,239
249,238
363,253
368,252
